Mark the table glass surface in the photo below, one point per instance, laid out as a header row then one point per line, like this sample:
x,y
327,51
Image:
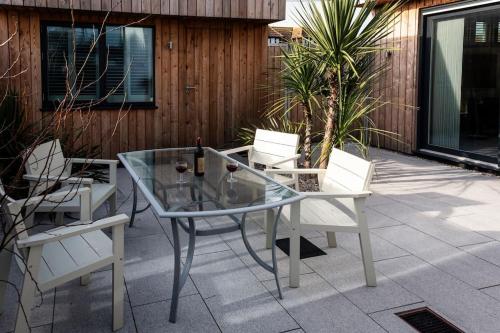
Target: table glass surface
x,y
155,173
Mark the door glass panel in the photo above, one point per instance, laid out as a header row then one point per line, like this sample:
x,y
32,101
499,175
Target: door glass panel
x,y
447,50
464,87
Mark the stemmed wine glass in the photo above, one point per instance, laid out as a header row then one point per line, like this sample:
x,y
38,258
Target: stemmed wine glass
x,y
232,167
181,167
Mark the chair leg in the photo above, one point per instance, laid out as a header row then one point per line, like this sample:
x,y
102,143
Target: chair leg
x,y
269,227
5,260
366,253
112,204
331,238
364,241
59,218
118,284
85,280
294,278
28,291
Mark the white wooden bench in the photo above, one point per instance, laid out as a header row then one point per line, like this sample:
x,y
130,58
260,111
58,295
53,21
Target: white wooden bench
x,y
273,150
59,255
46,165
338,207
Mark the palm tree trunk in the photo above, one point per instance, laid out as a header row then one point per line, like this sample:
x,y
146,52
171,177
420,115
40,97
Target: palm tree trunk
x,y
306,109
330,123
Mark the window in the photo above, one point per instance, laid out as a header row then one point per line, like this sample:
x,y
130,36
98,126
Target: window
x,y
272,41
481,30
119,65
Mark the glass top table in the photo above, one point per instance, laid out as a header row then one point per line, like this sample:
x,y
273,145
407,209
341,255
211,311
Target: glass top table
x,y
154,173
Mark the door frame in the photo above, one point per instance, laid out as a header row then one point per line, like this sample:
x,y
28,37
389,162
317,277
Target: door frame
x,y
423,86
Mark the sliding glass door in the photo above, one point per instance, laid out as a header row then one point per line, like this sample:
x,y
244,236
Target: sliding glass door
x,y
461,83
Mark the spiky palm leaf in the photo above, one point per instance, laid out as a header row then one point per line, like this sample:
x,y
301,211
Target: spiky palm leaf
x,y
303,87
341,34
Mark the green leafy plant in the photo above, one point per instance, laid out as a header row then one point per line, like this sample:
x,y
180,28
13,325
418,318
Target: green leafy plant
x,y
340,34
303,87
354,124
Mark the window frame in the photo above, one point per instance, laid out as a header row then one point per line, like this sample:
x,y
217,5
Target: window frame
x,y
48,105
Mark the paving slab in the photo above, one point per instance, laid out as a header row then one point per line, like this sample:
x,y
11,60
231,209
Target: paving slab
x,y
257,239
444,230
344,272
192,316
379,220
492,291
237,300
44,303
489,251
203,244
468,308
459,263
318,307
149,270
381,249
89,308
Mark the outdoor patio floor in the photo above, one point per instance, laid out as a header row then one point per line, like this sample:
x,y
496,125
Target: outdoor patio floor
x,y
435,232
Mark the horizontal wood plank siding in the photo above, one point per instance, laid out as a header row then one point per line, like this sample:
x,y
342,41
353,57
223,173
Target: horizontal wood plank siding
x,y
238,9
398,86
228,72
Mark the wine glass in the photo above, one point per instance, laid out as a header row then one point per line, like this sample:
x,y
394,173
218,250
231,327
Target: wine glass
x,y
232,166
181,166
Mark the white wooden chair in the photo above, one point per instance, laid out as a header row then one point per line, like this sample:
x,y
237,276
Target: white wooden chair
x,y
59,255
340,204
273,150
46,164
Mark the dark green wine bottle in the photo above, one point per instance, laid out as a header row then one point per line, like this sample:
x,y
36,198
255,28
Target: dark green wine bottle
x,y
199,159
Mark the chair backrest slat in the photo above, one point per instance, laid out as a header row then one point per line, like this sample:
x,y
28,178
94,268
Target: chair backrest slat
x,y
47,159
347,172
271,146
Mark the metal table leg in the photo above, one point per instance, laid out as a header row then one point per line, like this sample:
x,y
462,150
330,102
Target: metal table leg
x,y
180,277
134,205
274,268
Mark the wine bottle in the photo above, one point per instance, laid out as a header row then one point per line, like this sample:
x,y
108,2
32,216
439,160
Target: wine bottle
x,y
199,159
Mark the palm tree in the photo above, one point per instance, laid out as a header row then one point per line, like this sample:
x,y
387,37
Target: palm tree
x,y
340,33
303,85
356,104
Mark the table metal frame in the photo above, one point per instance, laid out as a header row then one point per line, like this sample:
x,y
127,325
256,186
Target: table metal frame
x,y
177,216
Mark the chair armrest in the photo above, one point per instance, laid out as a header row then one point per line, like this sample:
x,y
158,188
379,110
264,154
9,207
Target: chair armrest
x,y
283,160
336,195
70,180
294,171
91,161
236,150
71,230
52,197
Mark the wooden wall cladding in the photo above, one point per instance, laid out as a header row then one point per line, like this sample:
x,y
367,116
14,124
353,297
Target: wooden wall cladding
x,y
224,60
269,10
398,86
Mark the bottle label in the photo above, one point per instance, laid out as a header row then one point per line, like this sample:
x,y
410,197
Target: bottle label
x,y
201,165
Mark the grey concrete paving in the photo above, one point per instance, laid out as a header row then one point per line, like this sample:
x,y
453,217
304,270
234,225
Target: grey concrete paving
x,y
435,236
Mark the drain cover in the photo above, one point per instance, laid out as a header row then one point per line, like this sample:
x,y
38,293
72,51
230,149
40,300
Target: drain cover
x,y
425,320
